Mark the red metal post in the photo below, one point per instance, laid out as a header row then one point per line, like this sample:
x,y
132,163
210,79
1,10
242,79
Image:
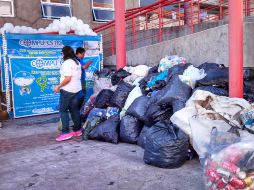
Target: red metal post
x,y
120,34
160,23
146,22
246,7
192,22
134,36
198,11
179,13
220,17
235,33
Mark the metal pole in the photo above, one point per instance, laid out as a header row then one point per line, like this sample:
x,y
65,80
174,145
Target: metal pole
x,y
120,34
235,28
192,24
6,71
247,8
146,22
134,40
220,10
198,11
179,13
160,24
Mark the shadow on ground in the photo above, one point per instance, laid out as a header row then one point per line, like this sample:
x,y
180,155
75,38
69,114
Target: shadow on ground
x,y
31,159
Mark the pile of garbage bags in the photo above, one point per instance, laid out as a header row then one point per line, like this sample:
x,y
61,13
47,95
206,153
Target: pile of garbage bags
x,y
166,109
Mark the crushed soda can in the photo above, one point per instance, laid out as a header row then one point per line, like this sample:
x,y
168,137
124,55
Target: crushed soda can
x,y
221,183
223,173
237,183
212,175
229,187
230,167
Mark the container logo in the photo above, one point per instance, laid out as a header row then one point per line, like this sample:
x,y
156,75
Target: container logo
x,y
41,43
46,64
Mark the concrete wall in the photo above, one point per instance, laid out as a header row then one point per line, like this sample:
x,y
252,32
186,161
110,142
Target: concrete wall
x,y
209,45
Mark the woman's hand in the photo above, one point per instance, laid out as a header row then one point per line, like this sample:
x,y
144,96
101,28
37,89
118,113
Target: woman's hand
x,y
66,80
57,89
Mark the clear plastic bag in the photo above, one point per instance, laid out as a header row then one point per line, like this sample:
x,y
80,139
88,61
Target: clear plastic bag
x,y
169,61
230,162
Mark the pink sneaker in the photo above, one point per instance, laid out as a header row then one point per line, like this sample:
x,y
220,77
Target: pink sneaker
x,y
77,133
64,137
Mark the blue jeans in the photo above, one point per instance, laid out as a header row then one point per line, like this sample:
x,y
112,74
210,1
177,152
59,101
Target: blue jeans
x,y
70,102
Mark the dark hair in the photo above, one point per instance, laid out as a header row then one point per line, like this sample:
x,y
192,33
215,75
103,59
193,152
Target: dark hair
x,y
68,53
80,50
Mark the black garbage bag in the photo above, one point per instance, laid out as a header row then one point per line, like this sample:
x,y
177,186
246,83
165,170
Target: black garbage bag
x,y
249,97
213,89
153,72
103,98
215,77
248,74
177,70
107,131
159,84
248,86
166,146
139,107
90,125
105,72
157,113
120,95
86,108
142,137
210,66
119,76
154,69
177,105
175,90
143,83
130,129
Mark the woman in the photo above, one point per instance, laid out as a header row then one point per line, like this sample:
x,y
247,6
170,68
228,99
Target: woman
x,y
70,94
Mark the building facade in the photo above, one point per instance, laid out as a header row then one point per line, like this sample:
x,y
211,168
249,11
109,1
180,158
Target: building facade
x,y
40,13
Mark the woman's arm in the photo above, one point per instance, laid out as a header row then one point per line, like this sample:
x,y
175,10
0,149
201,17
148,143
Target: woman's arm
x,y
66,80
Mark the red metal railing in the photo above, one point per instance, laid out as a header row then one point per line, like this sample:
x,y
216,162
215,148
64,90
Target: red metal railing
x,y
166,19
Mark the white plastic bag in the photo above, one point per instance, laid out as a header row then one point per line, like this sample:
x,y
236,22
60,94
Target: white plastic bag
x,y
141,70
135,93
191,75
100,84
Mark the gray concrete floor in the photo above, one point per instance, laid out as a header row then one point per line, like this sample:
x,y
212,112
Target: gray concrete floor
x,y
31,159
